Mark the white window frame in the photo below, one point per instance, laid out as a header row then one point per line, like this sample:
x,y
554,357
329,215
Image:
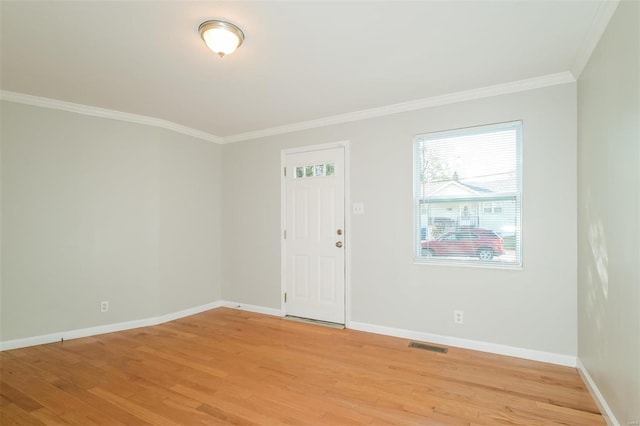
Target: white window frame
x,y
517,197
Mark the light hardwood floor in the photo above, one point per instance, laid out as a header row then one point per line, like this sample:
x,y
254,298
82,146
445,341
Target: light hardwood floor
x,y
232,367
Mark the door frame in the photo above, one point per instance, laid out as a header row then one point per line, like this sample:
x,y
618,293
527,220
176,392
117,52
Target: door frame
x,y
345,145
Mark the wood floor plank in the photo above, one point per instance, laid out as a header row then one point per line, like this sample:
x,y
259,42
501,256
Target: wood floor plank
x,y
141,413
12,414
14,396
227,366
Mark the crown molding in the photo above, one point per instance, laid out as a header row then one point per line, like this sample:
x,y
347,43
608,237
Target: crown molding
x,y
603,15
468,95
484,92
106,113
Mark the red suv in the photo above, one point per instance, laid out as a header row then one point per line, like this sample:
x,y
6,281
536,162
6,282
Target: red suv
x,y
482,243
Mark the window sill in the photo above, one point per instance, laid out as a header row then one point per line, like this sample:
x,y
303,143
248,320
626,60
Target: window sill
x,y
467,263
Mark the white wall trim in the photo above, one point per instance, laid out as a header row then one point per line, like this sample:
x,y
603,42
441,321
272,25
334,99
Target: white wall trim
x,y
283,227
102,329
106,113
484,92
531,354
252,308
599,24
605,410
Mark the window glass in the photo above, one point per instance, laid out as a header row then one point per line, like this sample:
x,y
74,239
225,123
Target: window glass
x,y
314,170
467,196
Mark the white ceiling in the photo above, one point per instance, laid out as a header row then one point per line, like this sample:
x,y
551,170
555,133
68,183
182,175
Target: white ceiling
x,y
300,61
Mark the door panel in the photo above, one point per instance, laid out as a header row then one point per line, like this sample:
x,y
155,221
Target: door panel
x,y
301,277
327,279
314,221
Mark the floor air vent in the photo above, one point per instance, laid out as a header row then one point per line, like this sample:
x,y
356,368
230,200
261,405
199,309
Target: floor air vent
x,y
428,347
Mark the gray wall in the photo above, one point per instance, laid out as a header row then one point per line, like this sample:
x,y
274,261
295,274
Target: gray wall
x,y
96,209
608,214
155,222
533,308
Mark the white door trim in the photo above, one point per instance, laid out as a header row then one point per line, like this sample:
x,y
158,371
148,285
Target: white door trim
x,y
347,221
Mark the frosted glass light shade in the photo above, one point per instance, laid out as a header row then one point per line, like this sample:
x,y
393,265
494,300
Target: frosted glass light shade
x,y
221,37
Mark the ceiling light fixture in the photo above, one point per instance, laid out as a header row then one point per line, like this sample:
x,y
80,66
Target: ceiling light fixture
x,y
220,36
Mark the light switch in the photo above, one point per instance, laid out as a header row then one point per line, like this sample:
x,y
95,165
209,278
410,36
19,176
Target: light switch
x,y
358,208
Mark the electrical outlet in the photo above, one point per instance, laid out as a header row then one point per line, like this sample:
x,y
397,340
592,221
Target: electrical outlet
x,y
104,306
458,317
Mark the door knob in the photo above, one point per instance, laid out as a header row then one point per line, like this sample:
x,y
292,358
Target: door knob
x,y
339,244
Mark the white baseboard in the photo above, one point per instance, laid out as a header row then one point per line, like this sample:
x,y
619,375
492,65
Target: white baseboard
x,y
102,329
605,410
553,358
252,308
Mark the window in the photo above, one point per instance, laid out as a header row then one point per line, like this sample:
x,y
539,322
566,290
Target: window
x,y
467,194
495,207
315,170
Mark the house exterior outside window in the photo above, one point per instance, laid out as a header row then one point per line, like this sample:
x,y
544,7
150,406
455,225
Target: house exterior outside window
x,y
468,182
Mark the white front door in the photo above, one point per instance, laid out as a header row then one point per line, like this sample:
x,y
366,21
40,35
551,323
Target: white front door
x,y
314,234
